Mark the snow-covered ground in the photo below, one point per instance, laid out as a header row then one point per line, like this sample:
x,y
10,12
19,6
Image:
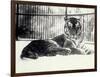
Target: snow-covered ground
x,y
55,63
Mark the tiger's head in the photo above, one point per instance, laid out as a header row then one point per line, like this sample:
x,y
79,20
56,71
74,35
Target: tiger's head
x,y
72,28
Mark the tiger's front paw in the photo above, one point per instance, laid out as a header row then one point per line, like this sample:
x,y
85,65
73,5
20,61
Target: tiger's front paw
x,y
68,50
86,50
65,51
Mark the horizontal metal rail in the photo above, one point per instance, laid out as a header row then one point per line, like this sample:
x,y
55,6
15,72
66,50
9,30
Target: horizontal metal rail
x,y
33,14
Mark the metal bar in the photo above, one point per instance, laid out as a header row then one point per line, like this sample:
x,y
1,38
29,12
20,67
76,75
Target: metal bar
x,y
39,29
54,14
46,10
25,19
43,27
28,36
83,27
17,21
49,21
66,12
31,24
36,23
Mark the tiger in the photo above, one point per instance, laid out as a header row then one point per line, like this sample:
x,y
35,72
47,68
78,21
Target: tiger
x,y
73,37
68,43
74,31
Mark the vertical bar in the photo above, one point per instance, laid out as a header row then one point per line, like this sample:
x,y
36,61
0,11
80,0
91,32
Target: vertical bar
x,y
53,20
57,21
46,22
40,26
54,24
36,23
36,34
87,27
24,23
27,21
33,21
39,12
30,21
18,24
20,19
43,25
66,15
83,26
49,22
58,24
38,29
17,17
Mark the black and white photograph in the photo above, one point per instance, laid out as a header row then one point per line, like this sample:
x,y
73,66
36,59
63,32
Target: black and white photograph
x,y
54,38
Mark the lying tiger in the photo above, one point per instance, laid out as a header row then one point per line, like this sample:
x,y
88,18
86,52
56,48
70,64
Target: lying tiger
x,y
65,44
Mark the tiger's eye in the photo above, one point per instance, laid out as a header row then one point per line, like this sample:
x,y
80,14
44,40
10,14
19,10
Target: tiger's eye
x,y
69,24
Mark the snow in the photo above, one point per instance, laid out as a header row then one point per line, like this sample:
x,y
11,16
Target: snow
x,y
55,63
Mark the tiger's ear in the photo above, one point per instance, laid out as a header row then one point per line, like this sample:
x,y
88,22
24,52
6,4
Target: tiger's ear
x,y
79,18
65,18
